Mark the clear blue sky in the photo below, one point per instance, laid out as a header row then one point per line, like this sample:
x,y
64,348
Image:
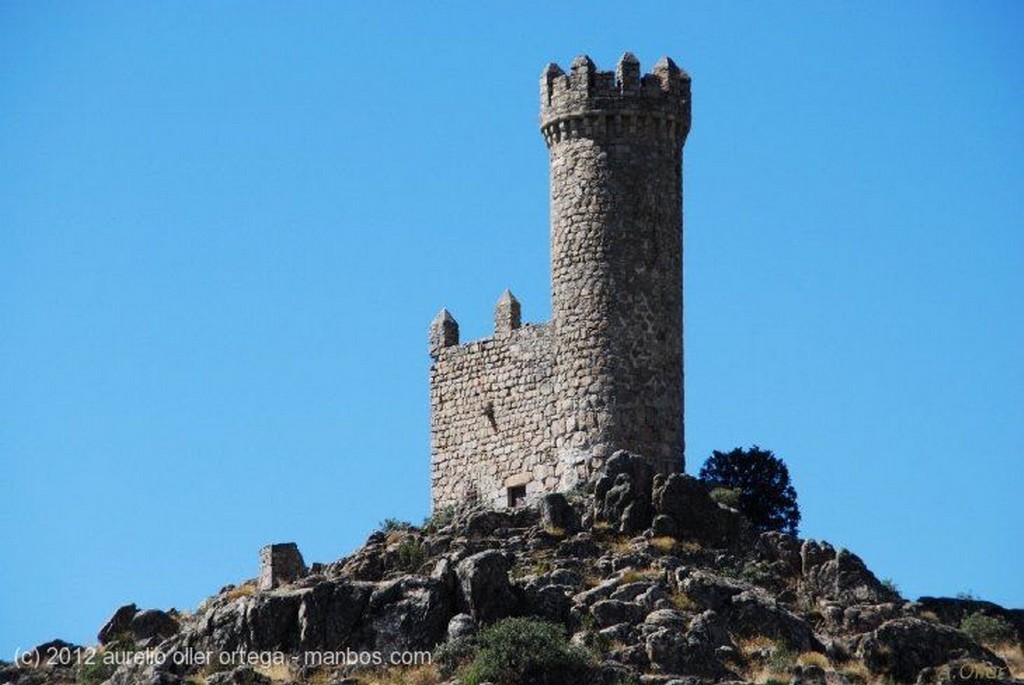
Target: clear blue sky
x,y
224,228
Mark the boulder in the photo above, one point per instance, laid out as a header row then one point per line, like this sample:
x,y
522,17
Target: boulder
x,y
461,626
581,545
118,625
408,614
751,613
901,648
556,513
609,612
673,652
863,618
667,618
549,602
622,493
329,613
694,515
711,591
708,629
780,551
839,576
952,611
152,623
484,588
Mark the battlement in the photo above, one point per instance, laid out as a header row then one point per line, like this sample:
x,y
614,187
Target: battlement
x,y
587,103
444,329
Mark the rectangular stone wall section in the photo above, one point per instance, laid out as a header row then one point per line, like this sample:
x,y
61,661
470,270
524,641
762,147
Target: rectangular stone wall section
x,y
492,417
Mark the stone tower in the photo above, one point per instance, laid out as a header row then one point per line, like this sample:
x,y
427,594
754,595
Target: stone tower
x,y
616,146
536,408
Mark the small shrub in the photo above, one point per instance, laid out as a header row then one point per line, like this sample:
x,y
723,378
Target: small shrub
x,y
96,672
587,623
439,519
781,660
730,497
968,595
390,525
682,601
410,555
756,574
525,650
454,655
987,629
891,585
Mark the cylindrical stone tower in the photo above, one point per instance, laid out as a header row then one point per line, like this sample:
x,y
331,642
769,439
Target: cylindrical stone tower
x,y
616,145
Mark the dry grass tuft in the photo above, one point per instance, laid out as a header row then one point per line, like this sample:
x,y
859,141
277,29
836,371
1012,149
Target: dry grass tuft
x,y
749,645
412,675
681,601
621,547
1013,655
632,575
770,660
278,673
813,659
855,671
665,544
244,590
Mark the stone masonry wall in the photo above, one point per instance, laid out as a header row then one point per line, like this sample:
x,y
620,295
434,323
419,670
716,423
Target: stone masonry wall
x,y
491,418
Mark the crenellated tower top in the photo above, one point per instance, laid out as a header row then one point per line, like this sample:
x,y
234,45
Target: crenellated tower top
x,y
586,103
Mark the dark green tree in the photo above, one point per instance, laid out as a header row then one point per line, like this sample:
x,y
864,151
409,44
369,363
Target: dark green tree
x,y
766,497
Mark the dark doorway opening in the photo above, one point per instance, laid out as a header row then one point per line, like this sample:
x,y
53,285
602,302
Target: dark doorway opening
x,y
516,496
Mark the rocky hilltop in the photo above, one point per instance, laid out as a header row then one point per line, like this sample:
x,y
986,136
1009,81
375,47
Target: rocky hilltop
x,y
634,579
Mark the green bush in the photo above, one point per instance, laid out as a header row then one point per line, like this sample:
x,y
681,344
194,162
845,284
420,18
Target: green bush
x,y
730,497
96,672
410,555
454,654
987,629
390,525
527,651
439,519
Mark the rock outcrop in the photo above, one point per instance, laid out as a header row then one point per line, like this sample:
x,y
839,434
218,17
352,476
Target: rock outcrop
x,y
651,576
